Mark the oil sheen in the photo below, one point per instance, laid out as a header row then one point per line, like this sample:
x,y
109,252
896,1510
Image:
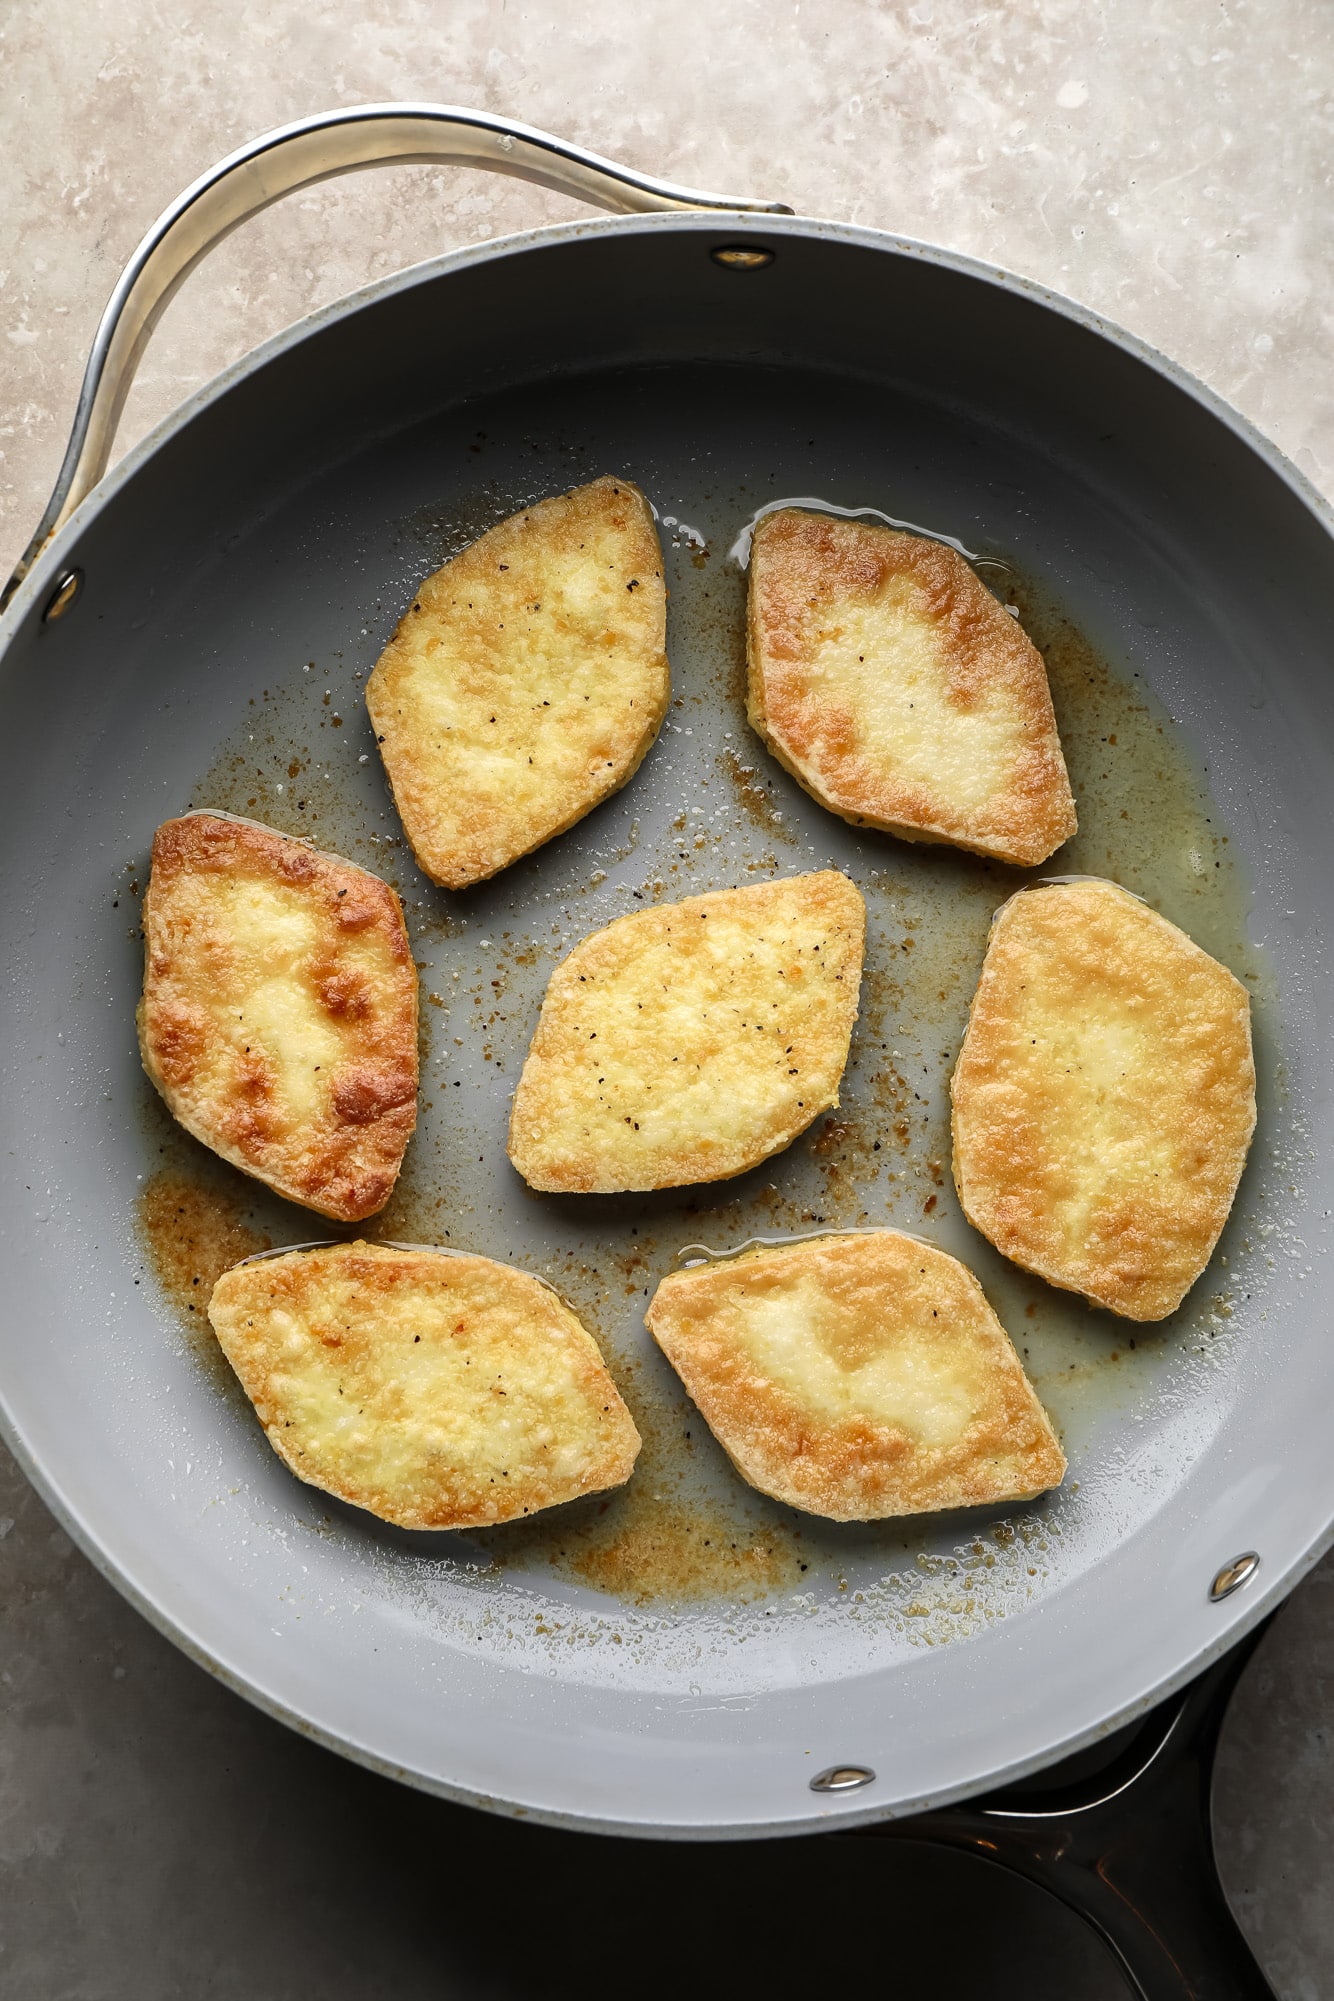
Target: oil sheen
x,y
709,809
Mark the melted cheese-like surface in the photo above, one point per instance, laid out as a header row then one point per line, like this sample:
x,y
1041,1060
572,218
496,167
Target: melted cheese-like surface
x,y
279,1013
837,1367
688,1042
881,676
263,995
857,1377
891,683
436,1391
526,680
1104,1097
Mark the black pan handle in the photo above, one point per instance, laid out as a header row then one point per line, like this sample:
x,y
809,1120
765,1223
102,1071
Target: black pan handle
x,y
297,156
1129,1846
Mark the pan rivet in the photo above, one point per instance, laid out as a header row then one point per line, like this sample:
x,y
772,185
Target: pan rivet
x,y
1233,1575
738,257
842,1779
68,585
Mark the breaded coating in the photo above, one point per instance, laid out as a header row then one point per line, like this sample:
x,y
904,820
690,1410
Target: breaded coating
x,y
439,1391
1104,1097
688,1042
857,1377
892,685
526,681
279,1012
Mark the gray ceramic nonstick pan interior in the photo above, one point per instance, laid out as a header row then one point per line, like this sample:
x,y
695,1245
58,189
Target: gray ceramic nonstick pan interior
x,y
687,1657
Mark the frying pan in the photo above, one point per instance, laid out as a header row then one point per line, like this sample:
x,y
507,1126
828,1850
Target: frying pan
x,y
195,627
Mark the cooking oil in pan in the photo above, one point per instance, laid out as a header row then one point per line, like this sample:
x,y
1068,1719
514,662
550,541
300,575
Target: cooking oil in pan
x,y
196,1217
709,809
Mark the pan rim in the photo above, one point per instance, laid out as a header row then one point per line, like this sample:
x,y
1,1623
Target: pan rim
x,y
1252,1612
551,235
1234,1622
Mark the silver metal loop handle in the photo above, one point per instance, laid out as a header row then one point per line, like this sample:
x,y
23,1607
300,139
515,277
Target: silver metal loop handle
x,y
296,156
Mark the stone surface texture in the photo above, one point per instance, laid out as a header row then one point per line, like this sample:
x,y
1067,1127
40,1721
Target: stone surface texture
x,y
1165,161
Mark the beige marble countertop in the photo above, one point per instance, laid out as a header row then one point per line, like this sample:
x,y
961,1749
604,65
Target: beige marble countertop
x,y
1165,161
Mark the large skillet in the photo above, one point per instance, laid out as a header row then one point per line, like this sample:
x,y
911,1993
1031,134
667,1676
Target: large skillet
x,y
255,551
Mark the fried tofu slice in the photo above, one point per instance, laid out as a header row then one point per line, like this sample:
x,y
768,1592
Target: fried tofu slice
x,y
1104,1097
526,682
279,1011
438,1391
857,1377
892,685
689,1042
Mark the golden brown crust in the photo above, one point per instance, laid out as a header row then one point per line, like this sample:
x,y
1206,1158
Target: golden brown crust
x,y
857,1377
892,685
689,1042
1104,1097
526,682
439,1392
279,1011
